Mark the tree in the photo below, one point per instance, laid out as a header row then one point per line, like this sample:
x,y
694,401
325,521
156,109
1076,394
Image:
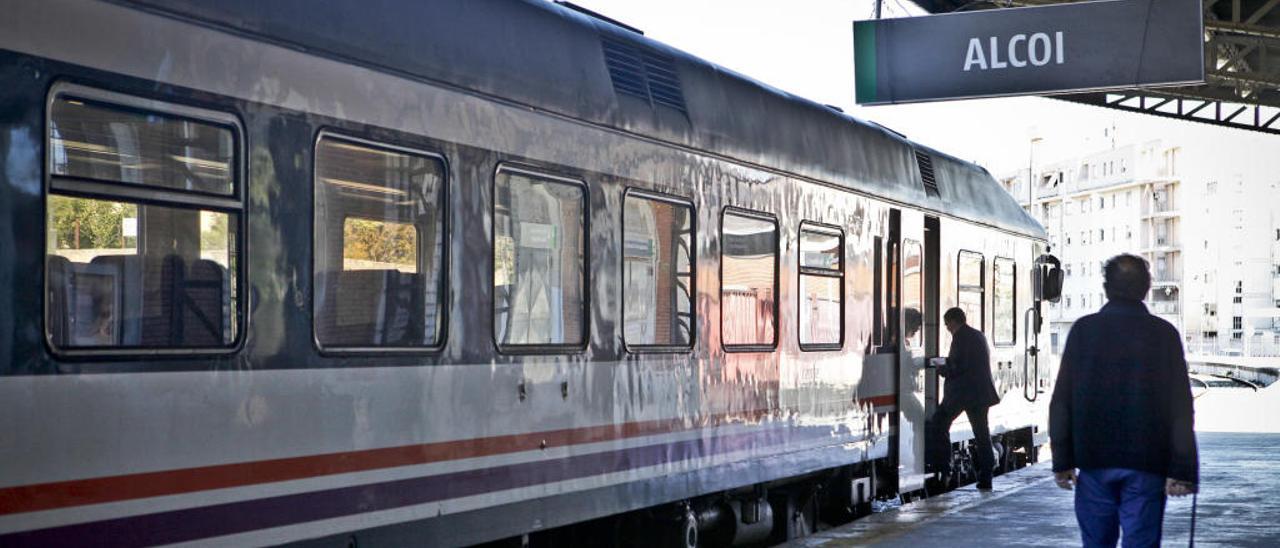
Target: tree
x,y
83,223
380,241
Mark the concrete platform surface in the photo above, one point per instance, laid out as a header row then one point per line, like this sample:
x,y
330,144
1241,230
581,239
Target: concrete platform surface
x,y
1239,505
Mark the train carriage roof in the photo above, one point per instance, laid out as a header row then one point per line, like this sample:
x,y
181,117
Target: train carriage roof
x,y
560,60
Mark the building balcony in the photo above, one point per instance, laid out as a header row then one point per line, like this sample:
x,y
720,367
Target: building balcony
x,y
1161,245
1161,211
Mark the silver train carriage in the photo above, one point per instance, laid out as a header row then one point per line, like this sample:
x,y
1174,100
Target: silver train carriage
x,y
455,271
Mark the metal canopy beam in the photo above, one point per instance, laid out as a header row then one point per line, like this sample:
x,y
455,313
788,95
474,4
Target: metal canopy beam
x,y
1260,118
1242,61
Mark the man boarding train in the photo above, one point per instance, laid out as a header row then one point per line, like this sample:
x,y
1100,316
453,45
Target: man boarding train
x,y
970,390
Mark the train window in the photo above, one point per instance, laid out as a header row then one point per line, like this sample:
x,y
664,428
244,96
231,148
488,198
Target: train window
x,y
748,281
821,287
95,141
1003,301
539,275
877,295
912,295
970,289
657,259
378,246
130,269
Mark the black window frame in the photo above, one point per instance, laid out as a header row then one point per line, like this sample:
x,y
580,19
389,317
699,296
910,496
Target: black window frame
x,y
444,299
630,348
1013,301
839,274
554,176
877,295
140,194
981,288
777,297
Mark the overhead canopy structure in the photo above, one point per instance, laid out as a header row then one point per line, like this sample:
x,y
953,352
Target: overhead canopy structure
x,y
1242,66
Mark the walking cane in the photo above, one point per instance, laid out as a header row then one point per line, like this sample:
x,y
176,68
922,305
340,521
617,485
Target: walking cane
x,y
1192,542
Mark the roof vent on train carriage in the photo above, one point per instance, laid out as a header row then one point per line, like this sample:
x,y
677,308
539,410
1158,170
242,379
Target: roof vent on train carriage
x,y
927,177
642,73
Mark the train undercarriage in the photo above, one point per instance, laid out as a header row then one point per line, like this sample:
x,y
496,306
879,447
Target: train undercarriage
x,y
772,513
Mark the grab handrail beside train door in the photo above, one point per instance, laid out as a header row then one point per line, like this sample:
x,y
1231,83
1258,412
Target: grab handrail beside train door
x,y
1031,357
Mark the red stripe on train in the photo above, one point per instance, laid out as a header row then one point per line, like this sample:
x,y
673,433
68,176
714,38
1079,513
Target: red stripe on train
x,y
61,494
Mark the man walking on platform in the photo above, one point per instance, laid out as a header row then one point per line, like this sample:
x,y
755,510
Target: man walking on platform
x,y
1122,415
969,389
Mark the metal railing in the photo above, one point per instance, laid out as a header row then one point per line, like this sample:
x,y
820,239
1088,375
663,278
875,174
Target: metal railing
x,y
1166,206
1262,346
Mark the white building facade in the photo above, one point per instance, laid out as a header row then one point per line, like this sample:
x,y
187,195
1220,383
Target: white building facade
x,y
1236,276
1123,200
1212,241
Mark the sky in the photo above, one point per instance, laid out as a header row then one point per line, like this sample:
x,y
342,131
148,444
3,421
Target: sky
x,y
806,48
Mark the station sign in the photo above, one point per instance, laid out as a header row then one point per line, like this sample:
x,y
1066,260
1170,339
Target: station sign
x,y
1085,46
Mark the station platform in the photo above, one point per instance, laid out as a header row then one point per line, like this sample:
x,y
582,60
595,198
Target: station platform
x,y
1239,503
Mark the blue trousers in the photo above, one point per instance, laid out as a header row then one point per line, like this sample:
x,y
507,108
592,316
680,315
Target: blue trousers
x,y
1111,499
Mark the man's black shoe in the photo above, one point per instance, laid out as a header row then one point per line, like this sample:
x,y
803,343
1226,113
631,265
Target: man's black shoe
x,y
984,486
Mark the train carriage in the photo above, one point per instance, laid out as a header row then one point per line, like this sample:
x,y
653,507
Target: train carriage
x,y
453,272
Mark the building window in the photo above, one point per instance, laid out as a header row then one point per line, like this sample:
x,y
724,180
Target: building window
x,y
821,287
1237,322
1102,203
539,260
378,246
657,273
126,272
1004,301
970,287
1237,299
748,280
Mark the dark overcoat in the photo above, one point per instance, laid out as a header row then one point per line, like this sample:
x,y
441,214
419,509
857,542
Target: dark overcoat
x,y
968,372
1123,396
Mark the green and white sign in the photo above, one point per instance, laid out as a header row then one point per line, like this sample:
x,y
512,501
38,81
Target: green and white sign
x,y
1087,46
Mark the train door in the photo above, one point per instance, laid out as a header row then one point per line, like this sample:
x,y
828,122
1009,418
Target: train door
x,y
919,328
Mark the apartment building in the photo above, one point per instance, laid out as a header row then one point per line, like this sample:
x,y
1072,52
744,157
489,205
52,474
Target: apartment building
x,y
1123,200
1235,274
